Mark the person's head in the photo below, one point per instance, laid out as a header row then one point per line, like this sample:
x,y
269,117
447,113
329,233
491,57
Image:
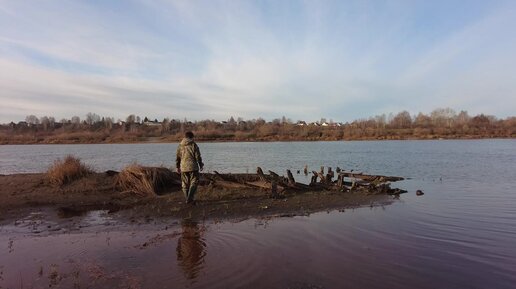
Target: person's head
x,y
189,135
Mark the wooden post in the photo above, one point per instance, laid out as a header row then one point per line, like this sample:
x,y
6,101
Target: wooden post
x,y
321,176
259,171
329,178
314,178
291,180
274,187
340,182
274,175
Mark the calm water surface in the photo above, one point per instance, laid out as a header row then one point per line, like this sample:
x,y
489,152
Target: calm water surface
x,y
460,234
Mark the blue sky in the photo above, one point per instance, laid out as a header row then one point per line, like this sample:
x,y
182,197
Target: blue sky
x,y
341,60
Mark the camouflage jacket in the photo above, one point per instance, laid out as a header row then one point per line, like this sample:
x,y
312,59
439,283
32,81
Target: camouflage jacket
x,y
188,156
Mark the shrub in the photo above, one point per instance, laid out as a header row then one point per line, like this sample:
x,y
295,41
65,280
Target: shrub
x,y
145,181
66,170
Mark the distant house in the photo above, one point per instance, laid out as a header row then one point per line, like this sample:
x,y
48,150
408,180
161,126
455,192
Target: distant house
x,y
152,123
315,124
301,123
325,124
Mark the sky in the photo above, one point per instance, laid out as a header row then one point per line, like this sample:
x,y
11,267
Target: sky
x,y
341,60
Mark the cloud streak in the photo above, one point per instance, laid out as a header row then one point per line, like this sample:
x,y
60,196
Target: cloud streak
x,y
304,60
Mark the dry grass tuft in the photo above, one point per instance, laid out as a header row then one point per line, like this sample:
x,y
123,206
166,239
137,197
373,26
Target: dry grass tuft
x,y
66,170
145,181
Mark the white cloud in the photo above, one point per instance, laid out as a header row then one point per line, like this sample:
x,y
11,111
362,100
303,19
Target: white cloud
x,y
194,60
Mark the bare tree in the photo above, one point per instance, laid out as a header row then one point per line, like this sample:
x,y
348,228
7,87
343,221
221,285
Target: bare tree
x,y
52,121
402,120
165,125
443,116
108,122
380,121
130,119
32,119
45,122
422,120
92,118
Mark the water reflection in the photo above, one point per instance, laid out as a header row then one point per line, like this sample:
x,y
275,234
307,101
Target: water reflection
x,y
191,249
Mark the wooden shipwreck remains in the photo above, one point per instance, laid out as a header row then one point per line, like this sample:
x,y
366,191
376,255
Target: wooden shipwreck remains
x,y
277,186
150,180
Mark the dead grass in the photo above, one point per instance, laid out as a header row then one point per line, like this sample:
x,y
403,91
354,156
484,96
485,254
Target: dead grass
x,y
65,170
145,181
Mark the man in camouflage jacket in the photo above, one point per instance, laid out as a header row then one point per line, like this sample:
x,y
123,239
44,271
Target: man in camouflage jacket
x,y
188,164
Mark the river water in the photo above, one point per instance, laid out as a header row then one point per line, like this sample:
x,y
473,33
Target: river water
x,y
460,234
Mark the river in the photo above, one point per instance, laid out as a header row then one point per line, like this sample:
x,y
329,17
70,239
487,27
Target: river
x,y
460,234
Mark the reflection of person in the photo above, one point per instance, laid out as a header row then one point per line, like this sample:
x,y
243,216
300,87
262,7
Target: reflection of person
x,y
190,250
188,163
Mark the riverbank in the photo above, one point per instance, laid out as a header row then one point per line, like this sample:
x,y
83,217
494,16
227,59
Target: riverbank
x,y
36,141
25,193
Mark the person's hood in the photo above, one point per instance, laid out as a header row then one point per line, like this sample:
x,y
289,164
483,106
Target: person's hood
x,y
186,141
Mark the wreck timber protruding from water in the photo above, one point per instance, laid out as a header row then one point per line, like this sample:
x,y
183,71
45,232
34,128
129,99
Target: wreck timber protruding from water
x,y
277,185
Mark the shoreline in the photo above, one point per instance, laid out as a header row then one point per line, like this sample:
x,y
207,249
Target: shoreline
x,y
263,141
23,194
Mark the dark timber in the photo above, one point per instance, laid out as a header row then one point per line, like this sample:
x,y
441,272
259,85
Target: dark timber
x,y
279,185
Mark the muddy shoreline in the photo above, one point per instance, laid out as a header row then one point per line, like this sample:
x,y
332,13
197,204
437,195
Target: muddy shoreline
x,y
23,194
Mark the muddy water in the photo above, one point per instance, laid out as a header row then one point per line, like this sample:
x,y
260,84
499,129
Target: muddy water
x,y
460,234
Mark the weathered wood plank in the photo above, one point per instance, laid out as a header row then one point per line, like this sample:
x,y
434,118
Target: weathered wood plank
x,y
274,185
260,173
366,177
322,177
313,180
291,180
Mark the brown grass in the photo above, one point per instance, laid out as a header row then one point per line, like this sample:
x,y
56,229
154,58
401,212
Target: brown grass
x,y
66,170
145,181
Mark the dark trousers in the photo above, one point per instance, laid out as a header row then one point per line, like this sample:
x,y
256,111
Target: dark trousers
x,y
189,182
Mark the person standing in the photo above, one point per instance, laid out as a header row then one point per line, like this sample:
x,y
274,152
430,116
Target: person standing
x,y
188,164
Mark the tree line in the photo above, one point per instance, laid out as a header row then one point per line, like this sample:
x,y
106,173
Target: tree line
x,y
93,128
